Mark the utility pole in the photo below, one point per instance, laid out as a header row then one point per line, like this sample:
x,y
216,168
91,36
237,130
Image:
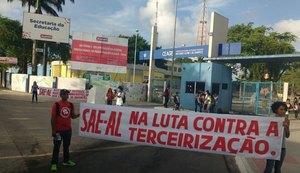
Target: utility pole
x,y
45,57
33,62
135,46
151,62
152,49
174,41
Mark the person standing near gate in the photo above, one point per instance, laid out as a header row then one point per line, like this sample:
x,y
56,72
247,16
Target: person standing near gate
x,y
296,107
167,96
198,101
61,114
207,101
34,91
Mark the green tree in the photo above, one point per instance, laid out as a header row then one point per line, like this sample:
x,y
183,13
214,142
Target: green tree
x,y
142,45
292,77
183,60
59,52
262,41
11,43
48,6
188,60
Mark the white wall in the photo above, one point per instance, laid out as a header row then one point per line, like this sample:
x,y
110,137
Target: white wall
x,y
18,82
42,81
71,83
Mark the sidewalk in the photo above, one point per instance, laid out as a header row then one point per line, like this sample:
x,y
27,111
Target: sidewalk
x,y
292,159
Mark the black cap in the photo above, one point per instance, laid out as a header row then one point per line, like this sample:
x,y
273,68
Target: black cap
x,y
64,91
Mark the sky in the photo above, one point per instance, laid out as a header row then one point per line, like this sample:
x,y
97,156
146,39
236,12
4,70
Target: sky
x,y
115,17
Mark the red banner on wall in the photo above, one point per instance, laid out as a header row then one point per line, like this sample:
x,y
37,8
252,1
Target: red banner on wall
x,y
99,53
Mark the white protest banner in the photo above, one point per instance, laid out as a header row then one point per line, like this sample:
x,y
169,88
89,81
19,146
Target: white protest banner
x,y
46,28
74,94
248,136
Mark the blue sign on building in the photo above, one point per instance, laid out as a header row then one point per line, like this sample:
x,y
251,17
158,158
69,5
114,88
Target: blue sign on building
x,y
182,52
230,49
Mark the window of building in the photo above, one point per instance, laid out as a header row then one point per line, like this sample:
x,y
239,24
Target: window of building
x,y
215,88
224,86
189,87
200,86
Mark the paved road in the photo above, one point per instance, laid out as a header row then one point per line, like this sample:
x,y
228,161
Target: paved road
x,y
26,145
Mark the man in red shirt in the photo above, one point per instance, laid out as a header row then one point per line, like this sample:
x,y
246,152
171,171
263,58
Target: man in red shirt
x,y
61,114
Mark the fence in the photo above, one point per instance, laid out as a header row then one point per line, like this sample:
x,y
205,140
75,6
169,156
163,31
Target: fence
x,y
159,86
257,97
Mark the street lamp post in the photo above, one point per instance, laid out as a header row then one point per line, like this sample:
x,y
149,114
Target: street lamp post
x,y
136,36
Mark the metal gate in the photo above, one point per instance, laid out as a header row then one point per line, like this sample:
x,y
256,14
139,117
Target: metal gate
x,y
257,97
159,86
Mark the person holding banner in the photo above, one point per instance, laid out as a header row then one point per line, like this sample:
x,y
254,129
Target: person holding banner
x,y
61,114
296,107
279,108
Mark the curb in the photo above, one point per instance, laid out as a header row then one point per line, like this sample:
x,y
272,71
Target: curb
x,y
243,165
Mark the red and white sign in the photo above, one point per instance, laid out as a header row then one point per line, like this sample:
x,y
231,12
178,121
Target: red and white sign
x,y
74,94
46,28
259,137
99,53
8,60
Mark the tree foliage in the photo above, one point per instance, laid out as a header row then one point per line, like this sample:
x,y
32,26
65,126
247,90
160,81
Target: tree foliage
x,y
188,60
59,51
183,60
12,44
142,45
262,40
292,77
48,6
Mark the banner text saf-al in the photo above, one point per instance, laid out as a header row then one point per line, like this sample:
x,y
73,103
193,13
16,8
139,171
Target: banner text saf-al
x,y
259,137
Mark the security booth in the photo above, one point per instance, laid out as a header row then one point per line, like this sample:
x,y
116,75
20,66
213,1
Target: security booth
x,y
214,77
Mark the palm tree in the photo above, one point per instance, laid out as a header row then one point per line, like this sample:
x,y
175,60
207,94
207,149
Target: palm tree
x,y
47,6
